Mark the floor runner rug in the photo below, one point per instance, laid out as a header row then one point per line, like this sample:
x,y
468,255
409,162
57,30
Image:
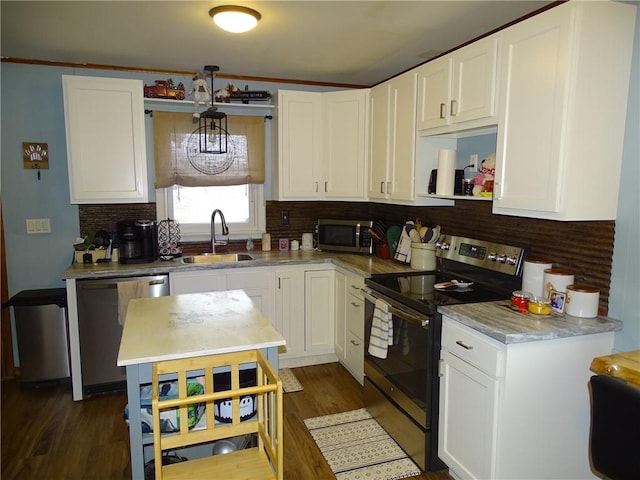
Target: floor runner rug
x,y
289,381
357,447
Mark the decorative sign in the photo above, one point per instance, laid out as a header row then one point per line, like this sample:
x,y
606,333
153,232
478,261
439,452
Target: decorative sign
x,y
35,156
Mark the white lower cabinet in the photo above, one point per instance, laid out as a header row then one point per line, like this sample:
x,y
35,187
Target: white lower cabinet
x,y
515,411
349,334
297,300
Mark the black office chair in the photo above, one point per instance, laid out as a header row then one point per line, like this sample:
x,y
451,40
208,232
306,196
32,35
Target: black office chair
x,y
615,428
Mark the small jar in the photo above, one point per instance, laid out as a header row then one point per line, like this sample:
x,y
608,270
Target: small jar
x,y
540,306
520,299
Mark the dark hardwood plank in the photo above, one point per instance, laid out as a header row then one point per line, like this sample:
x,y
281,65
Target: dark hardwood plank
x,y
46,435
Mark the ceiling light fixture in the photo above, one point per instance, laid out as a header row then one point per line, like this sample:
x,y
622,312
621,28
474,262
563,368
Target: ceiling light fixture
x,y
234,19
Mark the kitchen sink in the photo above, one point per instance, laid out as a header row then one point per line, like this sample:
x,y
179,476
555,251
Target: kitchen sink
x,y
217,258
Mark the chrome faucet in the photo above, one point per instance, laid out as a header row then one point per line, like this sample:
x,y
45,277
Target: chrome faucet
x,y
225,229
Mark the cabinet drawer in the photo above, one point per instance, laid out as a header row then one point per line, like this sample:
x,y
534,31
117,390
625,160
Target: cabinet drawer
x,y
472,347
245,278
355,356
354,284
355,314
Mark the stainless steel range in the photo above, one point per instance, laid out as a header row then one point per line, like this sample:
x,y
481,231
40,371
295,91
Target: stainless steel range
x,y
401,390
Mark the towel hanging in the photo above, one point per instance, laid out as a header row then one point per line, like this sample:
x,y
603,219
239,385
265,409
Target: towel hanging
x,y
381,330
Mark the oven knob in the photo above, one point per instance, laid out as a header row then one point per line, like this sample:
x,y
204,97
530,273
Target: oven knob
x,y
511,260
492,256
444,246
501,258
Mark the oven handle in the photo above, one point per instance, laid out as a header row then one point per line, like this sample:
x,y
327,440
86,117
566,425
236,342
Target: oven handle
x,y
403,314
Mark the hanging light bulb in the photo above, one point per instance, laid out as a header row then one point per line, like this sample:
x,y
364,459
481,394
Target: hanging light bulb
x,y
213,136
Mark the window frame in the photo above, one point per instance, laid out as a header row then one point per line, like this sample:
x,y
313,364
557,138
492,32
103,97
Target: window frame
x,y
199,232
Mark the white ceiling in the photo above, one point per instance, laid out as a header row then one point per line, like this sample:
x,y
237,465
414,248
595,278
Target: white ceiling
x,y
342,42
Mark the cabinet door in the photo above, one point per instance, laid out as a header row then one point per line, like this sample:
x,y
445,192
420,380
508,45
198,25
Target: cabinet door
x,y
467,422
379,140
403,136
299,145
534,97
197,281
106,148
319,298
434,93
289,310
258,285
340,315
473,86
344,144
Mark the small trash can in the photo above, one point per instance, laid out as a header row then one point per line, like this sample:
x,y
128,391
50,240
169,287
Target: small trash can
x,y
42,334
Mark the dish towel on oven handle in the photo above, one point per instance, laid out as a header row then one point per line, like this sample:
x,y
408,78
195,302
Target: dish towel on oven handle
x,y
381,330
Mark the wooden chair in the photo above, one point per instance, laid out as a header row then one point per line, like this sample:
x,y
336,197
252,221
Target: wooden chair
x,y
264,461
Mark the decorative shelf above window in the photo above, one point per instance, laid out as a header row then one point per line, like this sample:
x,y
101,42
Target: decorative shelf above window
x,y
189,103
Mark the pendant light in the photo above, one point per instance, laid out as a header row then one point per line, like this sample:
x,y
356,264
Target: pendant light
x,y
213,136
234,19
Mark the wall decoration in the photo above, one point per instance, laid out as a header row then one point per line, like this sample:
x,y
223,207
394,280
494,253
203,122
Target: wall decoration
x,y
35,156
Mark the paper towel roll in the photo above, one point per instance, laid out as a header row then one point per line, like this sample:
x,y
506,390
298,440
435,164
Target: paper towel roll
x,y
446,171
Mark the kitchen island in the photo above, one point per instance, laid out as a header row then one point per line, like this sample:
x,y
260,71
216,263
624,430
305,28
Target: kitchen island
x,y
183,326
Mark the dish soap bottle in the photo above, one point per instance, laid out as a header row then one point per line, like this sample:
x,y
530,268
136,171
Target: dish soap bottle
x,y
249,244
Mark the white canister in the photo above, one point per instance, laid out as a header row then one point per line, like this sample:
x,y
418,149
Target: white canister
x,y
307,242
295,245
423,256
557,279
533,275
266,242
582,301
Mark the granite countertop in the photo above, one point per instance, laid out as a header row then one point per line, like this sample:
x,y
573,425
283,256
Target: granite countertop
x,y
359,264
175,327
499,322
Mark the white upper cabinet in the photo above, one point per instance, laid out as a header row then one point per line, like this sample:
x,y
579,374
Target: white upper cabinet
x,y
106,148
392,139
564,83
321,145
458,91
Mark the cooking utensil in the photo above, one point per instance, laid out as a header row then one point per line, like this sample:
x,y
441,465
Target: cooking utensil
x,y
452,284
414,235
393,237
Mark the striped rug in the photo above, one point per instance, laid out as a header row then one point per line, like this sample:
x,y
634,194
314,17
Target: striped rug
x,y
357,447
290,382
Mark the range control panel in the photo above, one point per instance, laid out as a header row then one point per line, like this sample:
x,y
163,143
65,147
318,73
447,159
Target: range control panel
x,y
489,255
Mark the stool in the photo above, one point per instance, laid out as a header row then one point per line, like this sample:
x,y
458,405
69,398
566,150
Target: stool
x,y
264,461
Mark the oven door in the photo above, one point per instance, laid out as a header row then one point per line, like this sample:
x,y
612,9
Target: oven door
x,y
407,375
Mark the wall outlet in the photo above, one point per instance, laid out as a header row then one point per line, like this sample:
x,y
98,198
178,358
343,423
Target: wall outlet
x,y
473,160
284,217
38,225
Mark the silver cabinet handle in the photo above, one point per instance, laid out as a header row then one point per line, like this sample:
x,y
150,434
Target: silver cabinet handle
x,y
354,343
381,187
443,107
316,187
454,109
464,345
354,304
325,187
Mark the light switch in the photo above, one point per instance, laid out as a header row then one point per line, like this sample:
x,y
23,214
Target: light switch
x,y
38,225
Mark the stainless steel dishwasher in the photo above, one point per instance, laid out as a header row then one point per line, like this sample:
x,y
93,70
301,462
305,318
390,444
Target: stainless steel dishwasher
x,y
100,330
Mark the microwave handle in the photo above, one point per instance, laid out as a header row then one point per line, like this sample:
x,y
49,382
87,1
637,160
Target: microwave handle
x,y
404,315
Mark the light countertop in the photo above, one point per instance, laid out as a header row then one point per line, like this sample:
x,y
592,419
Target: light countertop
x,y
366,265
498,321
192,325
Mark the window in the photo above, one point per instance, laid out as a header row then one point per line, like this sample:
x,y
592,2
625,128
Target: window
x,y
191,186
242,206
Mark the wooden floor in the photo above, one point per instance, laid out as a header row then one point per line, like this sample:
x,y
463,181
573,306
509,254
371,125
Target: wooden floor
x,y
45,435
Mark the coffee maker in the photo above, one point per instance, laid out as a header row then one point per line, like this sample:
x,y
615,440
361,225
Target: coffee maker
x,y
137,240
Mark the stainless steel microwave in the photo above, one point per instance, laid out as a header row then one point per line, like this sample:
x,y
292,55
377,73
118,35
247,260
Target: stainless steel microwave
x,y
351,236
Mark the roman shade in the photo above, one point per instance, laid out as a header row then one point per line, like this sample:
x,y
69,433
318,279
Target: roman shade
x,y
178,161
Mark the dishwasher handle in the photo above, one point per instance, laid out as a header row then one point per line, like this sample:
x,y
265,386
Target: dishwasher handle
x,y
113,283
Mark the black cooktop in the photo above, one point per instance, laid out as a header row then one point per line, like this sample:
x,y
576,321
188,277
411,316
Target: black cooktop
x,y
416,290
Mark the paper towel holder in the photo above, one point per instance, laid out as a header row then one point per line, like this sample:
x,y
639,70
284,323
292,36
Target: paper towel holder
x,y
457,187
